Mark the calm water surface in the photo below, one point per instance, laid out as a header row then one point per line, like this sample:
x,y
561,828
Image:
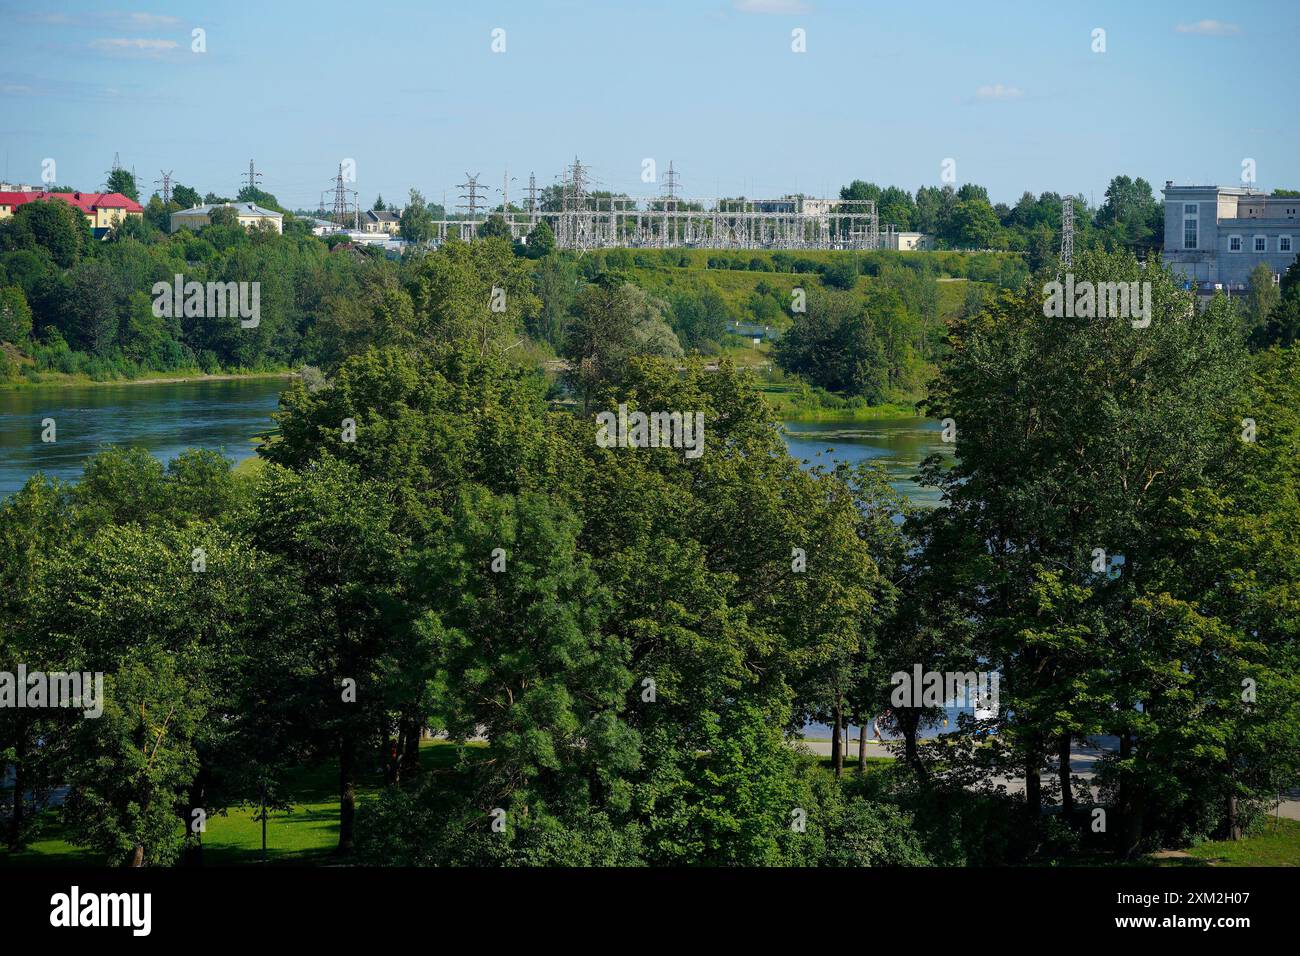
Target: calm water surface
x,y
897,444
223,416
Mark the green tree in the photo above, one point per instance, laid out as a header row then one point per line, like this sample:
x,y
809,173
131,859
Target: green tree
x,y
1262,297
521,654
494,226
416,223
974,224
541,241
92,306
333,528
131,763
1074,435
186,196
614,320
123,181
50,224
15,315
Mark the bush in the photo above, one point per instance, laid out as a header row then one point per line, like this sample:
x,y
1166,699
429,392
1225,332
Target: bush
x,y
842,274
873,834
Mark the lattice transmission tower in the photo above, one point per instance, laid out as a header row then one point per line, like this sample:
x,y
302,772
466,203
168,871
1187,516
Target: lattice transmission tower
x,y
339,212
252,176
1067,232
473,201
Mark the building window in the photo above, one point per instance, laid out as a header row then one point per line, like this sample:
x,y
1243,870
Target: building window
x,y
1234,243
1283,243
1261,244
1191,229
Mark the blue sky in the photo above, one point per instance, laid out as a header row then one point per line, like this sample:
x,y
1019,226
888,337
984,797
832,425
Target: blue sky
x,y
885,92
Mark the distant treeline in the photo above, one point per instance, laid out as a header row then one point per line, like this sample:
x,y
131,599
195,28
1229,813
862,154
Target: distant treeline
x,y
1131,217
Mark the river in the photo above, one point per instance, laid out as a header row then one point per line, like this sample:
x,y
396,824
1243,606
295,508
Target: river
x,y
227,416
224,415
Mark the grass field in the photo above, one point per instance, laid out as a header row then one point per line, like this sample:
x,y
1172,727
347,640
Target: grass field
x,y
1275,842
307,833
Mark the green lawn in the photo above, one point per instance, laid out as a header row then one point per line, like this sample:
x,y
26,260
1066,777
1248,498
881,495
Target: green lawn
x,y
851,763
307,833
1275,842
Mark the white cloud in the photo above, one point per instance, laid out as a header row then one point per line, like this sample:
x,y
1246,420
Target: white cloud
x,y
996,91
1209,28
132,45
144,20
772,6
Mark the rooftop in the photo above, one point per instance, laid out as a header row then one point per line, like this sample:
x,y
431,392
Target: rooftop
x,y
241,208
86,202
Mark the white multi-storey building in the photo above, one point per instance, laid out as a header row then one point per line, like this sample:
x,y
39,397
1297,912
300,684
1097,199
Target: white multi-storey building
x,y
1217,235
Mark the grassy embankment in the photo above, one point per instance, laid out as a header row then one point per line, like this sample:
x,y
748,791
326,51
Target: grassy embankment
x,y
740,288
24,374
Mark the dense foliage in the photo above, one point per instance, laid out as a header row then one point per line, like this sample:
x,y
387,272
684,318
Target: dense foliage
x,y
619,642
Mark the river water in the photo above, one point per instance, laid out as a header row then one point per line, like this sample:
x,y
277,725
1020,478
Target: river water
x,y
224,415
228,415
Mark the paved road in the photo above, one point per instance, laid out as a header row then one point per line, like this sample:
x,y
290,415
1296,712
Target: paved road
x,y
1083,762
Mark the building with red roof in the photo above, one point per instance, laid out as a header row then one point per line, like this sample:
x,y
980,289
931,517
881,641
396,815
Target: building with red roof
x,y
103,211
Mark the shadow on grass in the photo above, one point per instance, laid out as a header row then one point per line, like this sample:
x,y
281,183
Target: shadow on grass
x,y
306,835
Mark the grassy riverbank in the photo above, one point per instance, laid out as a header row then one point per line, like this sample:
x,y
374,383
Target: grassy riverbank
x,y
51,379
802,402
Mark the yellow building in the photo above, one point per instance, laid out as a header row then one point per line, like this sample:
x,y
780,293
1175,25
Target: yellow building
x,y
247,214
103,211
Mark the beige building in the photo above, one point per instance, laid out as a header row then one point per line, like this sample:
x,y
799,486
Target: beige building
x,y
247,214
381,221
905,241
